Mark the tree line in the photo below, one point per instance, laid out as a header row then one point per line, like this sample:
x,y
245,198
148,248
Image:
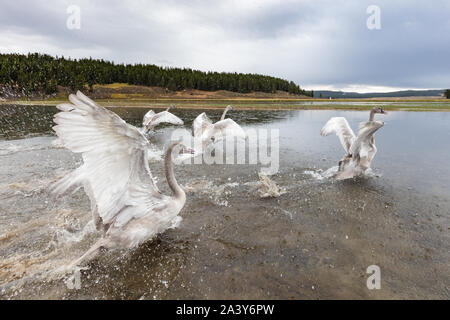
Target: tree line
x,y
41,73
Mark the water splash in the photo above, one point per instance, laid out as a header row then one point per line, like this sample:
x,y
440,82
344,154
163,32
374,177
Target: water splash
x,y
217,193
12,148
330,173
25,188
63,235
319,174
267,188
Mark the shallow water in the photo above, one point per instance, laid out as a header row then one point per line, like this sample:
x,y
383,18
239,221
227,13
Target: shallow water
x,y
315,240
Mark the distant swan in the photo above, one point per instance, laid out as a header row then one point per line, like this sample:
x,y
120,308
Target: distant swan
x,y
360,149
205,131
126,203
152,119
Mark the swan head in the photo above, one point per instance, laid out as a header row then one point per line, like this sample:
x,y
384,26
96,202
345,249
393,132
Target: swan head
x,y
379,110
171,107
181,149
229,108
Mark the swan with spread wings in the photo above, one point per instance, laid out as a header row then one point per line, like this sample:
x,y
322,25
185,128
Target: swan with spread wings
x,y
360,149
126,203
152,119
205,131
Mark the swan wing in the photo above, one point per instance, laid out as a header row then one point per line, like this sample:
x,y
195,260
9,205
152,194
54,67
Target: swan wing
x,y
362,144
148,117
165,117
227,127
200,124
115,172
340,127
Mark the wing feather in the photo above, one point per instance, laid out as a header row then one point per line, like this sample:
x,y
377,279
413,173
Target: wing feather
x,y
200,124
148,117
165,117
227,127
361,145
340,127
115,171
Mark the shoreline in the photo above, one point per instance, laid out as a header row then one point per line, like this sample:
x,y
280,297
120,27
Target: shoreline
x,y
434,105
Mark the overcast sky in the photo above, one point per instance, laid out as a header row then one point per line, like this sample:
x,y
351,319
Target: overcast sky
x,y
317,44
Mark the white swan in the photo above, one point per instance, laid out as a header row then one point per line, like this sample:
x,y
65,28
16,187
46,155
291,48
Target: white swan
x,y
126,203
205,131
360,149
152,119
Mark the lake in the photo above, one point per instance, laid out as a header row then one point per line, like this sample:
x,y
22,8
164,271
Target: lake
x,y
315,241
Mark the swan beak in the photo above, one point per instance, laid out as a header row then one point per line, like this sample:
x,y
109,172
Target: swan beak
x,y
383,111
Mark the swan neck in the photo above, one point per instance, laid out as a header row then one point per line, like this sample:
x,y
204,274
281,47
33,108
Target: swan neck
x,y
170,176
224,114
372,115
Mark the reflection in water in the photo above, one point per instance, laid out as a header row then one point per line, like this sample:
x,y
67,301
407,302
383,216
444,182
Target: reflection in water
x,y
18,121
232,243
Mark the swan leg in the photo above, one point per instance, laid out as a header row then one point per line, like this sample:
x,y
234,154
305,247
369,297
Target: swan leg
x,y
90,254
98,222
344,162
99,225
364,164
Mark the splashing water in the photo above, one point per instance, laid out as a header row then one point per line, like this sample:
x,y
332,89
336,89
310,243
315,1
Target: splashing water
x,y
10,148
319,174
268,188
330,173
217,193
66,239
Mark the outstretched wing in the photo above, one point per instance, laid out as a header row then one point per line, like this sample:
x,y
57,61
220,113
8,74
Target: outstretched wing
x,y
227,127
340,127
200,124
164,117
115,172
361,145
148,117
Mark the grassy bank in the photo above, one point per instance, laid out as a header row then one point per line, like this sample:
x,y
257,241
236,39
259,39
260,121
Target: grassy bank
x,y
261,104
125,95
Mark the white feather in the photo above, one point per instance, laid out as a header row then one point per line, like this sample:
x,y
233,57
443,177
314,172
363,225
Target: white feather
x,y
115,172
151,120
223,128
363,145
340,127
360,150
204,130
200,124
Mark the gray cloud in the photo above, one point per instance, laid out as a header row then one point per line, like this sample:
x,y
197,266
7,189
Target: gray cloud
x,y
315,43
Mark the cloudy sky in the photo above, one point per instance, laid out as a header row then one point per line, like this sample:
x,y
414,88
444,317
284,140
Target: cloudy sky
x,y
317,44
